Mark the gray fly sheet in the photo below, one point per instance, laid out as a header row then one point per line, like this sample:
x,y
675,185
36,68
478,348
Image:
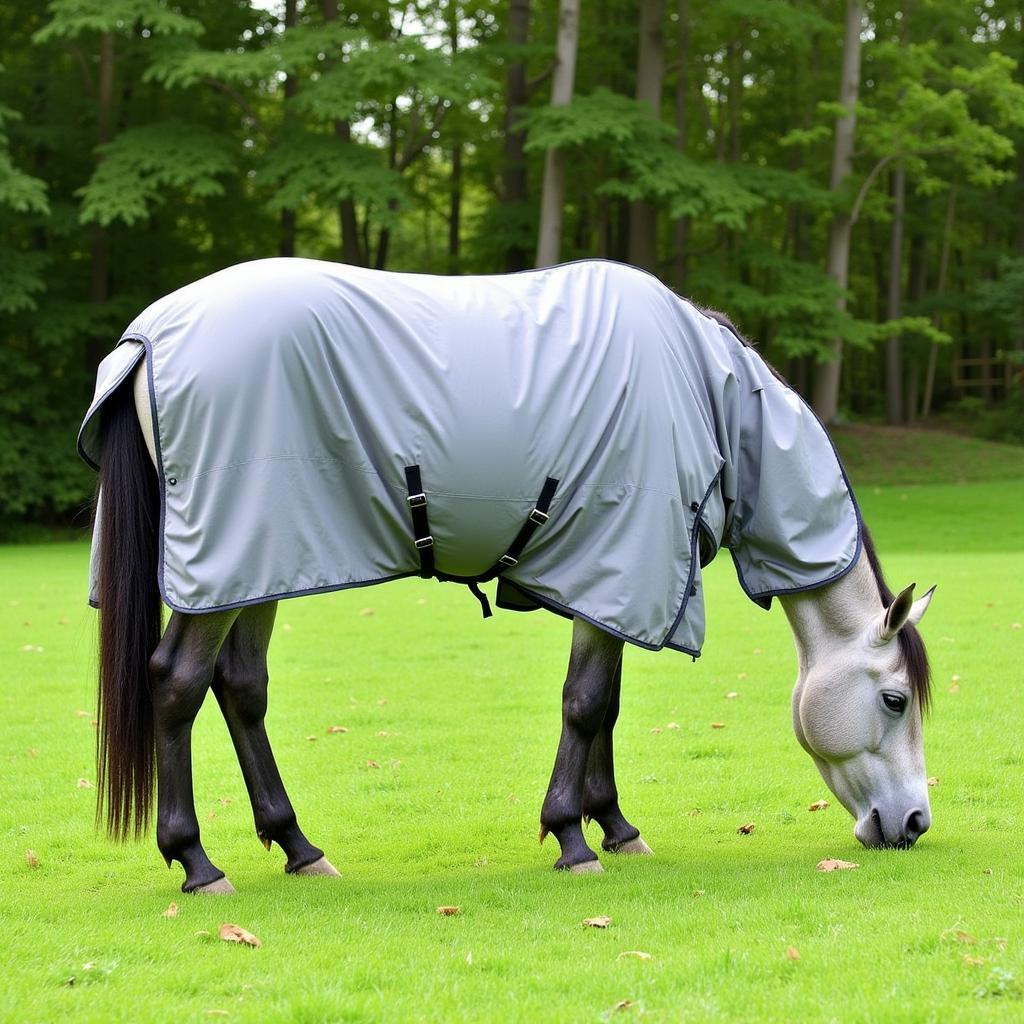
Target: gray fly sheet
x,y
290,397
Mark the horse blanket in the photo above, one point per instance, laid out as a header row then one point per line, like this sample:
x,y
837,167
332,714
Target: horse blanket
x,y
289,397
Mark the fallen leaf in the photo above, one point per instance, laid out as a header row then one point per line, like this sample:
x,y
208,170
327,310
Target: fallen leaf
x,y
695,812
84,784
792,953
312,739
656,729
372,764
954,679
622,1004
90,966
745,830
382,701
31,859
818,805
960,936
62,622
365,612
829,864
741,675
384,732
973,961
337,728
1014,625
986,871
449,911
287,627
171,911
731,695
933,780
211,816
597,922
224,800
672,725
955,688
718,725
639,954
697,892
757,650
32,752
233,933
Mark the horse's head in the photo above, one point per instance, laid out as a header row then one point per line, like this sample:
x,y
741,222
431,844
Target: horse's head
x,y
857,711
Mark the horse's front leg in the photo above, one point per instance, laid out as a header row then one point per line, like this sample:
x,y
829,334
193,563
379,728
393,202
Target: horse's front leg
x,y
240,686
588,688
181,670
600,795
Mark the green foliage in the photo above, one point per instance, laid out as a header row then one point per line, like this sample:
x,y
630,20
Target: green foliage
x,y
73,18
140,168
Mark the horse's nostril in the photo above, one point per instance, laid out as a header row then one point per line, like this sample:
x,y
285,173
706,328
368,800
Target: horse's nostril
x,y
915,824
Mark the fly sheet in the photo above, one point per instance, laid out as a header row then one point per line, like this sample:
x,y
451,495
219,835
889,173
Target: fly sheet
x,y
289,397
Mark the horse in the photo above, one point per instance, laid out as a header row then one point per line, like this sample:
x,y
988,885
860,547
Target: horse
x,y
290,426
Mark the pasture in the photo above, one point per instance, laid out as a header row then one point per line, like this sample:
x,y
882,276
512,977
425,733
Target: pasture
x,y
431,798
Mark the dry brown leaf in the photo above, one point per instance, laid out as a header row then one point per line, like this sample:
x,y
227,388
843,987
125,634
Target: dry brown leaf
x,y
656,729
372,764
933,780
955,688
365,612
336,728
385,733
672,725
597,922
741,675
84,784
697,892
960,936
32,752
757,650
830,864
171,911
382,701
1014,625
449,911
954,678
233,933
224,800
792,953
745,830
987,871
212,816
312,739
973,961
622,1004
638,954
31,859
818,805
731,695
694,812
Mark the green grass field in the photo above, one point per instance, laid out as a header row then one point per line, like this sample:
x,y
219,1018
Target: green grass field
x,y
462,718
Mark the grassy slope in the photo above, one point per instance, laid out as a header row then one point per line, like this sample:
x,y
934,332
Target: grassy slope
x,y
450,817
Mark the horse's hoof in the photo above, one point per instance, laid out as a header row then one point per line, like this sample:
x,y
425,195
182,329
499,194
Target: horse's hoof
x,y
587,867
634,846
319,867
222,887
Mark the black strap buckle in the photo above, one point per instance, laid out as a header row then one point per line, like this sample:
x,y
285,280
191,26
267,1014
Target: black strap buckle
x,y
417,500
508,561
538,517
424,542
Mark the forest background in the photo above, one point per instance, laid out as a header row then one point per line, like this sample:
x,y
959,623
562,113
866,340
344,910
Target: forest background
x,y
842,178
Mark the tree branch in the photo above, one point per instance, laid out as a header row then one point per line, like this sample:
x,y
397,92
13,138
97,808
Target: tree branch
x,y
241,101
868,182
540,79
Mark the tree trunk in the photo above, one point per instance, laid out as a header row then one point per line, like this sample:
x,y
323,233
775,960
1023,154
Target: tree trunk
x,y
516,96
348,223
894,346
549,238
99,237
940,288
286,247
681,227
826,377
455,189
650,73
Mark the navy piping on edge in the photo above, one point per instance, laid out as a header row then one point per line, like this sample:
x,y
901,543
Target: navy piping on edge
x,y
764,599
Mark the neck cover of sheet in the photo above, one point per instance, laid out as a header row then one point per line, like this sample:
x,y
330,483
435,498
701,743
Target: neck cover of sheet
x,y
289,395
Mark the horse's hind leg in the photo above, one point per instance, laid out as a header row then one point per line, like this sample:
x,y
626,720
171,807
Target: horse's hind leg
x,y
181,670
585,697
240,686
600,795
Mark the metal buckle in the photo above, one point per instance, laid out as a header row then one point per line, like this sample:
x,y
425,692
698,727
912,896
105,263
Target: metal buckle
x,y
424,542
538,517
508,561
416,500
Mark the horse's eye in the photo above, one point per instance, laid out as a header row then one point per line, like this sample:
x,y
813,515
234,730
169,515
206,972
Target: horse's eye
x,y
895,702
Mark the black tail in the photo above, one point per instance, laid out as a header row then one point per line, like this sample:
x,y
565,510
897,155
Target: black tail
x,y
130,618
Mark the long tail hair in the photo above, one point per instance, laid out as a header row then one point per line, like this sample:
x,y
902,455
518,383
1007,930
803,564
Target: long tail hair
x,y
130,618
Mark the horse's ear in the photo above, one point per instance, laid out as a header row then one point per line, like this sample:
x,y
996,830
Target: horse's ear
x,y
896,615
919,607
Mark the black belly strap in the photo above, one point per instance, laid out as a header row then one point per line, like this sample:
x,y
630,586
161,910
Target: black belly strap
x,y
424,542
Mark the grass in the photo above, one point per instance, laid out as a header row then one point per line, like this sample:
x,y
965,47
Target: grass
x,y
470,710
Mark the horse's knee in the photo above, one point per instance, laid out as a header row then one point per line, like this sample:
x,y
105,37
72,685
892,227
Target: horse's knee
x,y
584,703
244,685
179,685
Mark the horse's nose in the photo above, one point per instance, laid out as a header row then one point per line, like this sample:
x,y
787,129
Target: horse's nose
x,y
915,824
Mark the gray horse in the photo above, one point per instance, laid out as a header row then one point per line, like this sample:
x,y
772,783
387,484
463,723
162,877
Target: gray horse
x,y
581,434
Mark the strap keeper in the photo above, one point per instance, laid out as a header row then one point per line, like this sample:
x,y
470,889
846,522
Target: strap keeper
x,y
508,561
424,542
417,500
538,517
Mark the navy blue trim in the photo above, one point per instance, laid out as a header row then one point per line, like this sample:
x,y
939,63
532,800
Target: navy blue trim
x,y
97,403
764,598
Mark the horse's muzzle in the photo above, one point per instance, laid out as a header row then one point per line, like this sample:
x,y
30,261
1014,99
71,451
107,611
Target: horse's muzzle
x,y
871,832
